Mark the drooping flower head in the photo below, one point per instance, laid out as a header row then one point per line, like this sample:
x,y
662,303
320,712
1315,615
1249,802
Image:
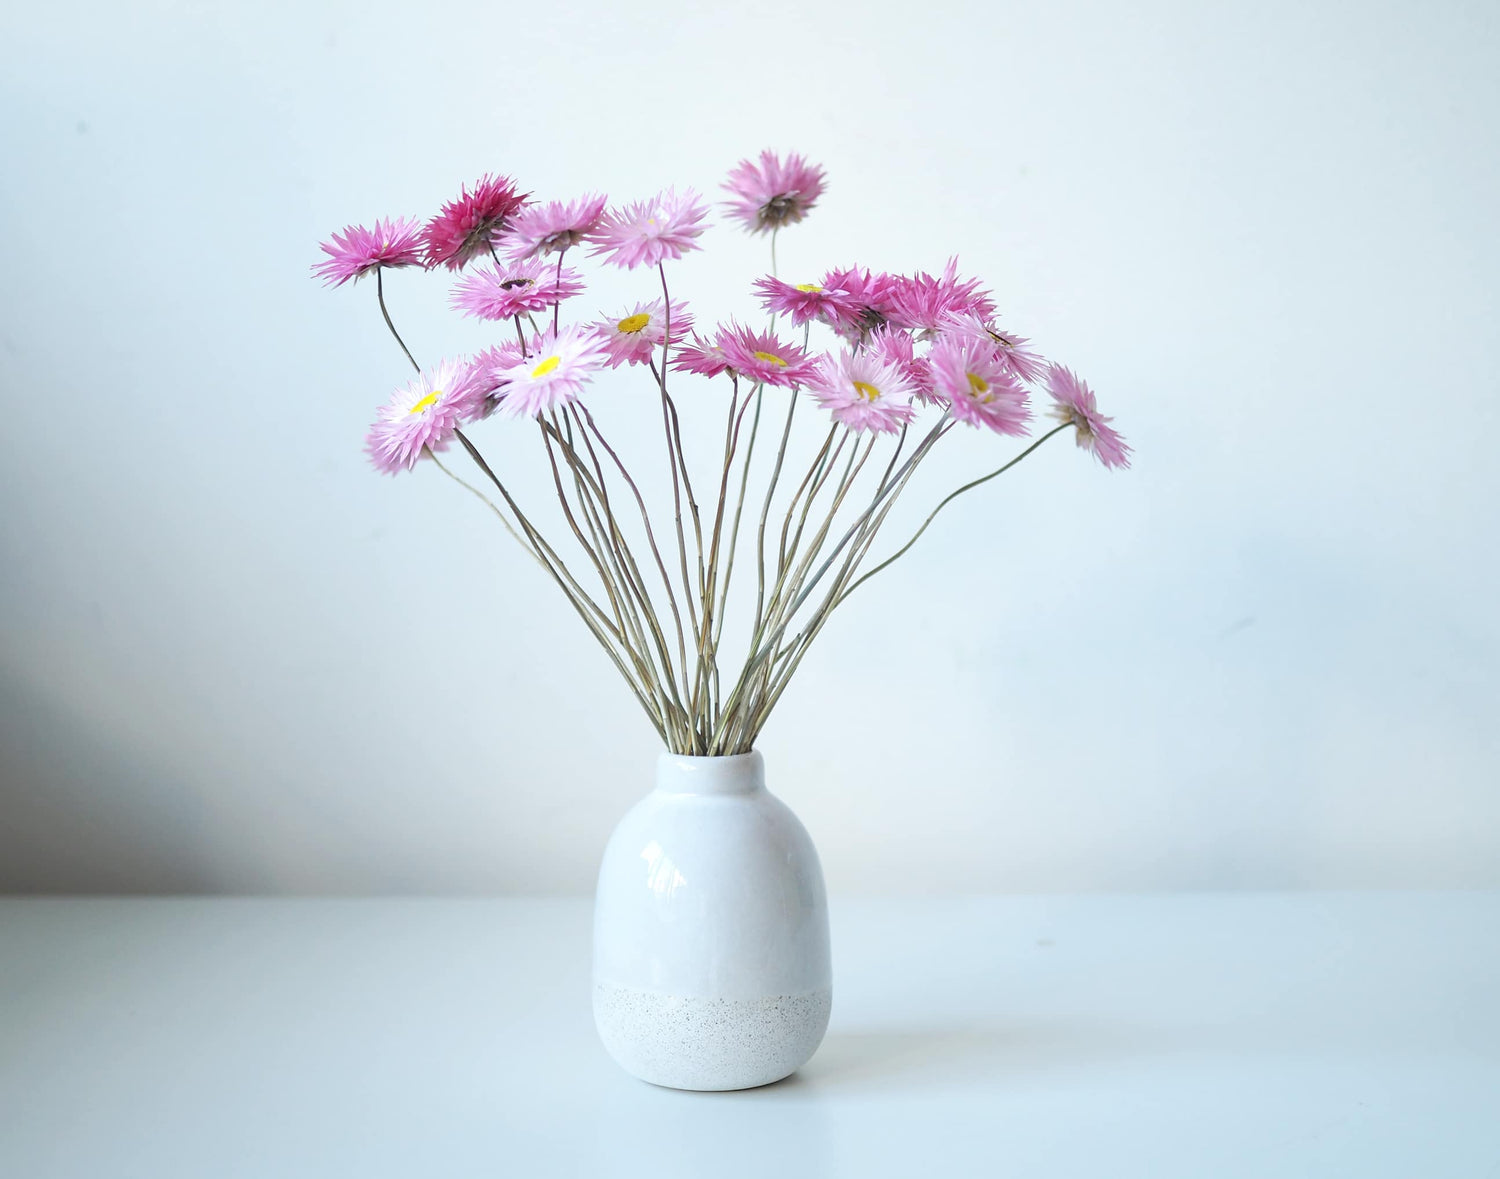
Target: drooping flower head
x,y
528,285
646,233
553,372
896,346
978,386
631,338
808,301
1075,405
357,251
700,356
863,391
922,301
762,357
470,225
774,192
422,415
1013,350
538,230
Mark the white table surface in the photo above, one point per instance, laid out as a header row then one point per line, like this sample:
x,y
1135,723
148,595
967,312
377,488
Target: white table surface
x,y
1211,1036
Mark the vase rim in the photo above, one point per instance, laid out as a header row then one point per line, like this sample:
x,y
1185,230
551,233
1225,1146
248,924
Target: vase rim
x,y
733,773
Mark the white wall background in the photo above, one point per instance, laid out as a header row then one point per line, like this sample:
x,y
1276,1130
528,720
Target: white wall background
x,y
232,658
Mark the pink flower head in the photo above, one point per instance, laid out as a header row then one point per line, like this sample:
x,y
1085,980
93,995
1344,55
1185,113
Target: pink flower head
x,y
484,374
471,224
538,230
1076,406
808,301
895,346
1021,360
646,233
978,386
863,391
922,302
773,193
866,295
762,357
421,416
553,372
701,357
528,285
631,338
357,251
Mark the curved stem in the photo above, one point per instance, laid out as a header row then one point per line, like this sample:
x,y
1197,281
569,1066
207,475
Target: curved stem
x,y
380,298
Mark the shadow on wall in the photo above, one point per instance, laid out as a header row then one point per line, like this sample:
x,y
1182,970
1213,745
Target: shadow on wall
x,y
71,819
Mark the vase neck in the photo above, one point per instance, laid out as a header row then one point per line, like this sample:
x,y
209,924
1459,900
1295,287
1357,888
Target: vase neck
x,y
743,773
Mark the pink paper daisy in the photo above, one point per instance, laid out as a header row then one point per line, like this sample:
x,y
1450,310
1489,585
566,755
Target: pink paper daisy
x,y
388,243
1076,406
867,295
762,357
470,225
923,301
808,301
978,386
421,416
863,391
484,374
538,230
774,192
701,357
553,373
895,346
1021,360
648,232
631,338
528,285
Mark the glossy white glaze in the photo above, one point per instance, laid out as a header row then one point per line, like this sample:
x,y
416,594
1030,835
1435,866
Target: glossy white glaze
x,y
710,892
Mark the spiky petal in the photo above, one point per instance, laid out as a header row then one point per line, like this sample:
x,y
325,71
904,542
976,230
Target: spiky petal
x,y
553,372
386,244
472,224
633,337
1075,405
978,387
774,192
646,233
528,285
422,415
863,391
762,357
541,229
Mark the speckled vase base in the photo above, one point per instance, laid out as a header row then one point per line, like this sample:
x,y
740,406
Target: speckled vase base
x,y
710,1044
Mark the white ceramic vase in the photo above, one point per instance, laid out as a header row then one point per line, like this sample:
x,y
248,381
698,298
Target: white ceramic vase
x,y
711,967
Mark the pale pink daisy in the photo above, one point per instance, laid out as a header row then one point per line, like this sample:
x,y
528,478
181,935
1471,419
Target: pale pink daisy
x,y
762,357
484,374
895,346
421,416
631,338
701,357
774,192
553,373
470,225
921,302
539,230
863,391
808,301
527,285
647,233
978,386
1076,406
354,253
1022,361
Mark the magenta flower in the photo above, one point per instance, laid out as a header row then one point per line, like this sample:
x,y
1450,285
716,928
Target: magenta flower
x,y
553,373
422,416
922,302
646,233
471,225
631,338
978,386
701,357
867,295
773,193
1013,350
1076,406
895,346
485,382
863,391
529,285
762,357
808,301
538,230
388,243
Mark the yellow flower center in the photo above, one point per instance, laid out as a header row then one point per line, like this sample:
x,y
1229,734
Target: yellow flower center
x,y
430,399
808,287
981,389
634,323
770,358
866,390
545,367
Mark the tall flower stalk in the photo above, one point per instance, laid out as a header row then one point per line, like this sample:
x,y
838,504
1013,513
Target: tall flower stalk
x,y
899,363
